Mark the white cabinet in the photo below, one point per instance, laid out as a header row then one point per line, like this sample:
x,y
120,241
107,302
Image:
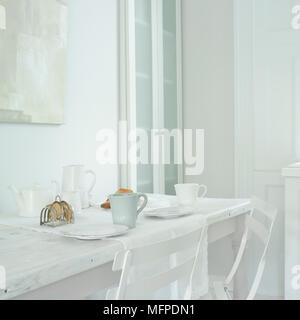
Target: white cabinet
x,y
292,231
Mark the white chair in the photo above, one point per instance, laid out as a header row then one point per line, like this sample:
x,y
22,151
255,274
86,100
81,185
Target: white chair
x,y
135,289
263,233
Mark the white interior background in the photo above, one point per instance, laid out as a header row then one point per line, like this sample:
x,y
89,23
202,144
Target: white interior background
x,y
36,153
32,153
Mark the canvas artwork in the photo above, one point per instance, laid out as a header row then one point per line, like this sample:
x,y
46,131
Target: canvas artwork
x,y
33,46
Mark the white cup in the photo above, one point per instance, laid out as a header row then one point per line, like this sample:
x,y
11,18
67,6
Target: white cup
x,y
73,198
187,193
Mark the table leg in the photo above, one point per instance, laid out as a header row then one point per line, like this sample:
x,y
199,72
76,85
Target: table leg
x,y
240,282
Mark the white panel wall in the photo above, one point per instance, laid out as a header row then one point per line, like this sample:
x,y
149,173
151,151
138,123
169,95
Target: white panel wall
x,y
208,88
208,70
32,153
268,52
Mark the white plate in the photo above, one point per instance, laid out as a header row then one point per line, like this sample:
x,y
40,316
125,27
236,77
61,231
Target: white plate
x,y
95,233
170,212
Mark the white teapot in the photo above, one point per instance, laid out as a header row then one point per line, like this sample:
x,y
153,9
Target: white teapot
x,y
31,201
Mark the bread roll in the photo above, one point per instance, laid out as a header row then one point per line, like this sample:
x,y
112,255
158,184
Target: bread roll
x,y
106,204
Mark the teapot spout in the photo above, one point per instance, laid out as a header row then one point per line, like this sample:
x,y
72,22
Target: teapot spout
x,y
17,196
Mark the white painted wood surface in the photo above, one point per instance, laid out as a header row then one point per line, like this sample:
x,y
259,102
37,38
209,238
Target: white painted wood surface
x,y
36,262
292,231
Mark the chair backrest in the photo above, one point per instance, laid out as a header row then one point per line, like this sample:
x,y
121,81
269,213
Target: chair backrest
x,y
263,232
127,259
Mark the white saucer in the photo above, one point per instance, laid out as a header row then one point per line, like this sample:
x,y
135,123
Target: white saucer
x,y
95,233
169,212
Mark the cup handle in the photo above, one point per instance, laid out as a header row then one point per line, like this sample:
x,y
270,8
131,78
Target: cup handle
x,y
142,207
94,180
205,190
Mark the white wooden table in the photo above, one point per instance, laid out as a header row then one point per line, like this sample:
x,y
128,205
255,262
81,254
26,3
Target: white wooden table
x,y
48,266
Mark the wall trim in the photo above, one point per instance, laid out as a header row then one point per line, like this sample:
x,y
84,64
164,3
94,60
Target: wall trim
x,y
243,56
179,80
127,88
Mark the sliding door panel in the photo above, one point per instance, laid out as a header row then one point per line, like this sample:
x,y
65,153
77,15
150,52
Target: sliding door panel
x,y
150,95
144,101
170,87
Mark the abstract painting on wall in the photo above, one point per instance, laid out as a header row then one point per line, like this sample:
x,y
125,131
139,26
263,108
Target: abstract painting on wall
x,y
33,51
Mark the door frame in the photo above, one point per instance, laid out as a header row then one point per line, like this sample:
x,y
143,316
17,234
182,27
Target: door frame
x,y
243,74
127,87
127,90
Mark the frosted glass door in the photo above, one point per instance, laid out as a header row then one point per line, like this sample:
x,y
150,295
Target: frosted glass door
x,y
144,110
170,86
153,82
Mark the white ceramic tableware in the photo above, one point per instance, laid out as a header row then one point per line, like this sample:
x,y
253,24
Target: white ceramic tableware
x,y
72,198
95,232
85,199
31,201
187,193
74,180
125,208
169,212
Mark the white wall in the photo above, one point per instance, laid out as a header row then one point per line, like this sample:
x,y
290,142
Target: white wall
x,y
32,153
208,78
208,100
208,88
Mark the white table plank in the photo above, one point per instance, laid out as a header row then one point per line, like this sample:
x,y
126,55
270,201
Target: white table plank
x,y
35,260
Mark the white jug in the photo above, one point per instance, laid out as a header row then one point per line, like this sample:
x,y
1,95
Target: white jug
x,y
31,201
74,180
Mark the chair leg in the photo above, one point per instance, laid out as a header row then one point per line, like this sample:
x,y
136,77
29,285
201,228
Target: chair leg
x,y
240,281
221,292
